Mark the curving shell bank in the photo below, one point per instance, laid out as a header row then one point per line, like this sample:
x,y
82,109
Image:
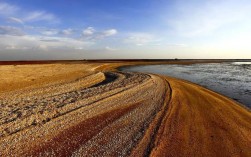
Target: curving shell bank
x,y
112,113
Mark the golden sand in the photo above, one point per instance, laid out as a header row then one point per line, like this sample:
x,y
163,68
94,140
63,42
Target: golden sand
x,y
90,109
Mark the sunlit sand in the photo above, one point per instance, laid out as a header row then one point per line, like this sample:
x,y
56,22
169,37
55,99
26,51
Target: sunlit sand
x,y
92,109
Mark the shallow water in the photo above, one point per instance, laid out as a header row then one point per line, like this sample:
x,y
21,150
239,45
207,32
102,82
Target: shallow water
x,y
229,79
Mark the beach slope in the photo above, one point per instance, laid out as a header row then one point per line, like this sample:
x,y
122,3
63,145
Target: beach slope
x,y
99,111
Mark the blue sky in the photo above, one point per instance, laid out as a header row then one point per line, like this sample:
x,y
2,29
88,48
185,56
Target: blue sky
x,y
95,29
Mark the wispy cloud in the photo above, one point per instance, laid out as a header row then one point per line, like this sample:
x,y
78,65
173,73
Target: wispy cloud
x,y
40,16
207,17
12,47
41,42
49,39
88,31
68,31
50,32
15,20
7,9
108,48
91,34
9,30
110,32
20,15
140,39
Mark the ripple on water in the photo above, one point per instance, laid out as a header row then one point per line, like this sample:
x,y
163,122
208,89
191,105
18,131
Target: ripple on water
x,y
230,79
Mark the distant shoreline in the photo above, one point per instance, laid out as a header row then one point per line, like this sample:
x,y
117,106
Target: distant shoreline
x,y
163,61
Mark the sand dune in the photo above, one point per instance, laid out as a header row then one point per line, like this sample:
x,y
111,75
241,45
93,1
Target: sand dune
x,y
99,111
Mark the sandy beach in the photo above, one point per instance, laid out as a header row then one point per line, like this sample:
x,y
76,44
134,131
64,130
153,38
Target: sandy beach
x,y
91,109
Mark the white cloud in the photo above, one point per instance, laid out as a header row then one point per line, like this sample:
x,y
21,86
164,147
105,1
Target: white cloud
x,y
108,48
88,31
91,34
42,47
40,16
12,47
41,42
110,32
140,39
15,20
50,32
68,31
20,15
9,30
26,35
49,39
7,9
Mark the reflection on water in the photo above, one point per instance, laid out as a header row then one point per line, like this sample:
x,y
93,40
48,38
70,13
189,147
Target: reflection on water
x,y
230,79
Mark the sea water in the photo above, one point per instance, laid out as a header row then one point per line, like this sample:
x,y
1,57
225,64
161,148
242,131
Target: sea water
x,y
232,79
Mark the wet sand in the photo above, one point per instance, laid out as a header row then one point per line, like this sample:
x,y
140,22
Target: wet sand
x,y
91,109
